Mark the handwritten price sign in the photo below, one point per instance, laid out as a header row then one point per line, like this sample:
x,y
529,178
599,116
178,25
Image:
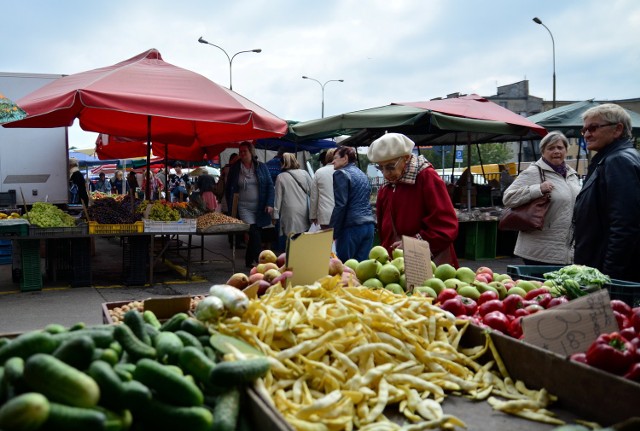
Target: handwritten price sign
x,y
417,261
572,327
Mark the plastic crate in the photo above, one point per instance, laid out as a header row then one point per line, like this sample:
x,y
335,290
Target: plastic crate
x,y
80,262
183,225
13,228
135,260
31,277
626,291
81,229
58,259
480,239
96,228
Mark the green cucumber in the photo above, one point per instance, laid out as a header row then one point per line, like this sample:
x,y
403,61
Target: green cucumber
x,y
168,346
131,344
101,338
4,341
151,318
25,412
73,418
196,363
14,377
111,387
28,344
174,323
77,326
168,385
133,319
233,373
165,416
60,382
124,370
151,331
76,351
194,327
136,395
55,328
227,410
188,339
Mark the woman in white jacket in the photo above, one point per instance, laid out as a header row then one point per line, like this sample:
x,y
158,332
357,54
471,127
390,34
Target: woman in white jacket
x,y
552,244
293,186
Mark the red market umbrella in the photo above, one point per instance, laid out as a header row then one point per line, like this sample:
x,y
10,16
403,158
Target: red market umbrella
x,y
146,98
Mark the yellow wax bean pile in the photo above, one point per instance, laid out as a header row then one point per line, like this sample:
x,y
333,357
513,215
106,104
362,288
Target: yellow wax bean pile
x,y
341,355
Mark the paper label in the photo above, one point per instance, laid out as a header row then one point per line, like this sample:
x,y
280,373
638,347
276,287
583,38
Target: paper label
x,y
417,261
572,327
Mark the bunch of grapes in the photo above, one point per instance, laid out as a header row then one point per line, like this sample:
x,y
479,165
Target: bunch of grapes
x,y
44,214
111,211
162,212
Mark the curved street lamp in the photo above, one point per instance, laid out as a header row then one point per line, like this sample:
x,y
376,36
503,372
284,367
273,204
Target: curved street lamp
x,y
553,46
322,86
201,40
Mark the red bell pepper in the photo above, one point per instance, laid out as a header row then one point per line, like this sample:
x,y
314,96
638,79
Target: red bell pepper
x,y
612,353
628,333
557,301
535,292
579,357
515,328
543,299
633,373
622,320
635,319
620,307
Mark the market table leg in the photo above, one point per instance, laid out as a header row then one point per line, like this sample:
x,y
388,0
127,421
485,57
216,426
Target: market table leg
x,y
188,276
151,259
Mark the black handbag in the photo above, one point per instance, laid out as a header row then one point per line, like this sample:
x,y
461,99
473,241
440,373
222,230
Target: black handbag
x,y
527,217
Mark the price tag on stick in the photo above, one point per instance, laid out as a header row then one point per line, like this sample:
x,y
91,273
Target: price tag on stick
x,y
572,327
417,261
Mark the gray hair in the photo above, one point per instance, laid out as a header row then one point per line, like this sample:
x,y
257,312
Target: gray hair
x,y
611,113
552,137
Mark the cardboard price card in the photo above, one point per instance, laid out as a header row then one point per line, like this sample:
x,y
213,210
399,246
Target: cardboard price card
x,y
308,256
417,261
572,327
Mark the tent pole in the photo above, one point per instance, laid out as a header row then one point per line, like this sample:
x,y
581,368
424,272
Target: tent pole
x,y
469,180
519,156
147,188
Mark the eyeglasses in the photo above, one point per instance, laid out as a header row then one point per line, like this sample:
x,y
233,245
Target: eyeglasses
x,y
390,167
592,128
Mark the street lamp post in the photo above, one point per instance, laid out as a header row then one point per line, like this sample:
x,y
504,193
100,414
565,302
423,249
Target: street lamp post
x,y
201,40
322,87
553,46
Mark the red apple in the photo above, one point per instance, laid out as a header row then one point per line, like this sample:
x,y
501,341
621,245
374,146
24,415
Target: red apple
x,y
487,271
255,277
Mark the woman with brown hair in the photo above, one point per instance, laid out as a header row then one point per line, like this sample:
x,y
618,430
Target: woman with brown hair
x,y
251,181
293,186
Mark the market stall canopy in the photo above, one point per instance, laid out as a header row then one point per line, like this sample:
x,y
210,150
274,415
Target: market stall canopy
x,y
122,99
466,119
313,146
568,118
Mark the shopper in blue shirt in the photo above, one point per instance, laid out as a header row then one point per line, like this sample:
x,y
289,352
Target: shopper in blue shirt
x,y
352,218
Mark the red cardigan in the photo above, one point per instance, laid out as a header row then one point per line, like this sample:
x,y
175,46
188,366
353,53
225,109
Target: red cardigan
x,y
423,208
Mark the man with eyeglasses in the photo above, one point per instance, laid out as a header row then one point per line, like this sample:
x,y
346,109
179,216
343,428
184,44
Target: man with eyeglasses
x,y
413,200
606,217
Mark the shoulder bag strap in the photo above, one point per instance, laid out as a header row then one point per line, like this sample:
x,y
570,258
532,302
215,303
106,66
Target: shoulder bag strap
x,y
298,182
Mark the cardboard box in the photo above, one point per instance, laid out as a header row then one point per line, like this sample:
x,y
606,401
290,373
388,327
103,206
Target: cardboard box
x,y
163,307
584,391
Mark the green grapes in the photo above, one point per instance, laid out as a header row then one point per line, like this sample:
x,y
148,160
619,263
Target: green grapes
x,y
44,214
161,212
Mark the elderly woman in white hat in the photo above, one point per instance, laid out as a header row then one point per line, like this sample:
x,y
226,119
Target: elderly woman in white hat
x,y
413,200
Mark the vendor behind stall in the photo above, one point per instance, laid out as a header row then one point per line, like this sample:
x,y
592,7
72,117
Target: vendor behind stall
x,y
77,183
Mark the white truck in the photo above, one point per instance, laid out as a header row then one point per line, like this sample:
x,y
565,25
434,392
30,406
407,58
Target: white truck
x,y
33,162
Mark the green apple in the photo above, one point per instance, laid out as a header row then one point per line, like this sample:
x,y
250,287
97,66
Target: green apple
x,y
352,263
469,292
517,291
389,273
379,253
445,272
395,288
366,269
434,283
396,253
454,283
373,283
426,291
526,285
398,262
502,290
465,274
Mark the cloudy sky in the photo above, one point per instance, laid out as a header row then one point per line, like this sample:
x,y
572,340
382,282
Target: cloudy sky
x,y
385,50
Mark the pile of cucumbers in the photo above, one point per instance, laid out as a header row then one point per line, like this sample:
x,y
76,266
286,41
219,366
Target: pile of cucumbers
x,y
139,375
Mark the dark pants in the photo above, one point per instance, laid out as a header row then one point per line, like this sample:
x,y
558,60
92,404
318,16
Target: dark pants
x,y
355,242
254,245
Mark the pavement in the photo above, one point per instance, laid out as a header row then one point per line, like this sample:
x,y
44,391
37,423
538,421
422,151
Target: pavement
x,y
58,302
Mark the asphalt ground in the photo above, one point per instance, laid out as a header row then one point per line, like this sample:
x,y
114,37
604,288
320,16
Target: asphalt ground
x,y
58,302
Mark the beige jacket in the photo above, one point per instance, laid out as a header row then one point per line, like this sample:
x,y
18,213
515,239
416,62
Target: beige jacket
x,y
552,244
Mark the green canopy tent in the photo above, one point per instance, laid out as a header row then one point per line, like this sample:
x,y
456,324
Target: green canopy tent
x,y
452,121
568,120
